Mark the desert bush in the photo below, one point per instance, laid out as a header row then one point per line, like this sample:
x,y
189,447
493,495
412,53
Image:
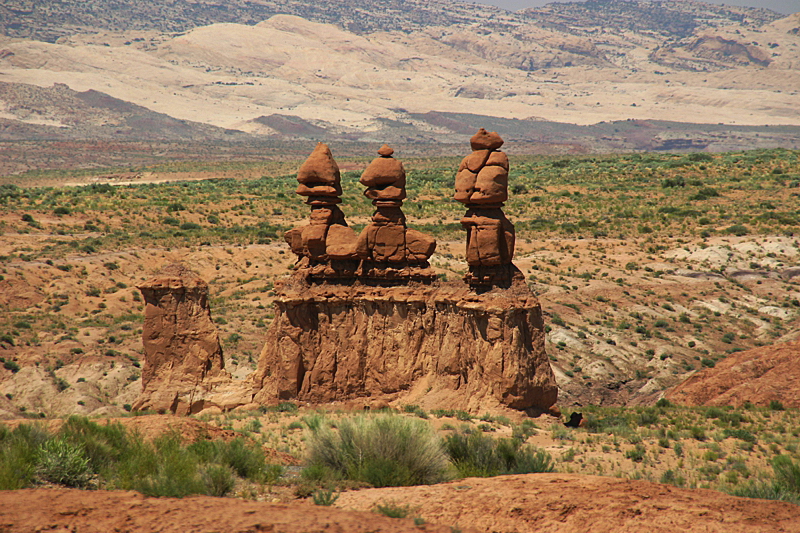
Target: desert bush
x,y
637,453
737,229
83,451
218,480
386,450
18,455
784,486
325,498
64,463
477,455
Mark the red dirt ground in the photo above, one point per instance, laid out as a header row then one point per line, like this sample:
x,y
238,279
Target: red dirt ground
x,y
542,503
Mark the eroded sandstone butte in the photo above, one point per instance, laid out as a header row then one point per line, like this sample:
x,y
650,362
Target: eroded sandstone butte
x,y
182,352
758,376
438,346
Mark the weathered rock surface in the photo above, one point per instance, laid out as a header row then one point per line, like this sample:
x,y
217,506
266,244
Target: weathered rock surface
x,y
182,353
482,185
326,247
437,346
389,250
758,376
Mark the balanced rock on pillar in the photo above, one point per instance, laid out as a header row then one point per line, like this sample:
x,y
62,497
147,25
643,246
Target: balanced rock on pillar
x,y
325,247
482,185
388,249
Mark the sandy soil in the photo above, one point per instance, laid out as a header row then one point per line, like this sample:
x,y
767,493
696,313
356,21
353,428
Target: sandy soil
x,y
570,503
523,503
101,512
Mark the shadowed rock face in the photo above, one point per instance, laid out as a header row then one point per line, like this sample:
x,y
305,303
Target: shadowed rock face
x,y
182,352
436,346
482,185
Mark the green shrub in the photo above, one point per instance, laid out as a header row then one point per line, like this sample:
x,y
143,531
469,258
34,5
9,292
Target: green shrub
x,y
787,473
637,453
325,498
63,463
245,457
218,480
164,470
393,510
672,478
18,455
737,229
477,455
386,450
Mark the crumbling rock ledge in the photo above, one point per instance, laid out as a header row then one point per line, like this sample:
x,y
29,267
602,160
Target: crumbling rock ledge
x,y
437,346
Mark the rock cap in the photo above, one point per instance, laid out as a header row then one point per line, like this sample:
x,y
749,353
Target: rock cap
x,y
485,140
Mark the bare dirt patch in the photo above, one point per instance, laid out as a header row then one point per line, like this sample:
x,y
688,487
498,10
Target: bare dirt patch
x,y
568,503
101,511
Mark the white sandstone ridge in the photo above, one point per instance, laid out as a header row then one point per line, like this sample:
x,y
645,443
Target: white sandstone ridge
x,y
228,75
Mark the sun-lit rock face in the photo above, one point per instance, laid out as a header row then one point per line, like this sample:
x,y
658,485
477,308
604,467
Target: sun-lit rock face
x,y
437,346
389,250
482,185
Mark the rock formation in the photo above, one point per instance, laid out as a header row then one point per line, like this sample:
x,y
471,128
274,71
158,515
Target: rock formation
x,y
482,185
437,344
440,346
759,376
182,353
326,247
389,250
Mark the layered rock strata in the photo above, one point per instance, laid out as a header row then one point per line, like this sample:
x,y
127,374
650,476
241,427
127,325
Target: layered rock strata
x,y
390,251
441,346
482,185
182,353
326,246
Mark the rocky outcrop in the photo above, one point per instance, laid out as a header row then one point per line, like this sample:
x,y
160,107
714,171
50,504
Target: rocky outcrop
x,y
326,246
390,251
440,346
182,353
758,376
482,185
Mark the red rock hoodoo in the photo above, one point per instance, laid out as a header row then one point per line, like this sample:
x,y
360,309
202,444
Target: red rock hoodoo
x,y
388,249
326,247
482,185
182,353
436,344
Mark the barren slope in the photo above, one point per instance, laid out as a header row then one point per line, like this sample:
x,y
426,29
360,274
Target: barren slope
x,y
759,376
711,65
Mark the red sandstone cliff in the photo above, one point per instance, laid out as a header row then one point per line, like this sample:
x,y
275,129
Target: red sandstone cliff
x,y
439,346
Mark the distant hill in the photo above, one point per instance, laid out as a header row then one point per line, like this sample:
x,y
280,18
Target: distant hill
x,y
47,20
407,71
